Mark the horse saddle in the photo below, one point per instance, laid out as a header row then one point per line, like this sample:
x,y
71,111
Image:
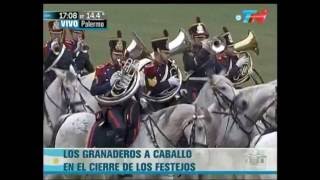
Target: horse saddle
x,y
103,135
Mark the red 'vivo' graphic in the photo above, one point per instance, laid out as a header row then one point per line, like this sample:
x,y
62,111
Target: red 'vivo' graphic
x,y
259,17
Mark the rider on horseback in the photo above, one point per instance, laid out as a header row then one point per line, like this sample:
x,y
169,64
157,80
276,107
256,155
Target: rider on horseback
x,y
158,77
79,49
226,60
55,53
117,115
196,60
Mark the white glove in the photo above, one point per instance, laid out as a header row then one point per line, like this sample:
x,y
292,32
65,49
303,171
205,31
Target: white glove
x,y
78,45
115,76
241,61
143,103
173,81
206,45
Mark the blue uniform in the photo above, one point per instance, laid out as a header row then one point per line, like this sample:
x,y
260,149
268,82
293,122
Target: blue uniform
x,y
114,115
162,76
162,73
227,64
63,63
202,64
81,62
101,83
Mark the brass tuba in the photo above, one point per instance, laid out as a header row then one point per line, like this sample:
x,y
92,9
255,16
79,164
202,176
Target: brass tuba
x,y
125,86
137,49
180,44
249,43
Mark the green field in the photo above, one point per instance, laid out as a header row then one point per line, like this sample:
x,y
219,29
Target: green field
x,y
148,21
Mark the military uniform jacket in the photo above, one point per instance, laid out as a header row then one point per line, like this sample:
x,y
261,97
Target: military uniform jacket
x,y
63,63
81,59
162,75
199,63
101,83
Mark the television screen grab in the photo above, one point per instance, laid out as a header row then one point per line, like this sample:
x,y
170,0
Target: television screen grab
x,y
160,91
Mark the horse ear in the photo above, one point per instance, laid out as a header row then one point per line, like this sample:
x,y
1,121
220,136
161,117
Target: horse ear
x,y
60,73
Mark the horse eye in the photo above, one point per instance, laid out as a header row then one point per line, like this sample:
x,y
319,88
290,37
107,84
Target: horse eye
x,y
223,88
68,89
200,128
244,104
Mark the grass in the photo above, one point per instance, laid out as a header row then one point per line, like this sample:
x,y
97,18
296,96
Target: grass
x,y
149,21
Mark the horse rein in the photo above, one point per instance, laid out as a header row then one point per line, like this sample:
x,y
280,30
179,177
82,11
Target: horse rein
x,y
70,105
234,114
192,135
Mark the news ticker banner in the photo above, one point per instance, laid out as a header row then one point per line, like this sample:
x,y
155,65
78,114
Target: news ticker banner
x,y
77,20
160,161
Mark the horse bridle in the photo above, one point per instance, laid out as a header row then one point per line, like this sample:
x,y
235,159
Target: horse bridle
x,y
192,142
70,105
234,113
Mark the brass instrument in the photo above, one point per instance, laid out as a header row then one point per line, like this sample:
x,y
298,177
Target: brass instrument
x,y
125,85
55,46
123,78
249,43
137,49
242,49
180,44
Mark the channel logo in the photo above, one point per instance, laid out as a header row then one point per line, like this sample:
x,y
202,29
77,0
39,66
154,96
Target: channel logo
x,y
252,16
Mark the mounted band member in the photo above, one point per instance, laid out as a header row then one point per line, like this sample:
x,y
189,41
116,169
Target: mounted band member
x,y
196,60
79,49
55,53
158,77
227,56
117,115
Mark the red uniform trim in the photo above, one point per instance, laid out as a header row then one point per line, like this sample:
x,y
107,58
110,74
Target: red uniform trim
x,y
113,119
89,144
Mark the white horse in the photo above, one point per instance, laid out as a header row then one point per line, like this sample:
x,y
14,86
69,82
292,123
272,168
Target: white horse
x,y
169,126
268,140
207,98
72,134
248,107
219,96
66,94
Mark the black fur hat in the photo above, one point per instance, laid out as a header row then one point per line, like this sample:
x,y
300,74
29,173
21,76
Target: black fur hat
x,y
161,43
118,45
198,29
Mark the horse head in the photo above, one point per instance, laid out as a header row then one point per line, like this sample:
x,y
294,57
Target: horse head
x,y
69,90
256,103
222,89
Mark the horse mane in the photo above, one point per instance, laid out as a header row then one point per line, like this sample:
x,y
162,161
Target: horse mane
x,y
255,88
252,91
167,113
